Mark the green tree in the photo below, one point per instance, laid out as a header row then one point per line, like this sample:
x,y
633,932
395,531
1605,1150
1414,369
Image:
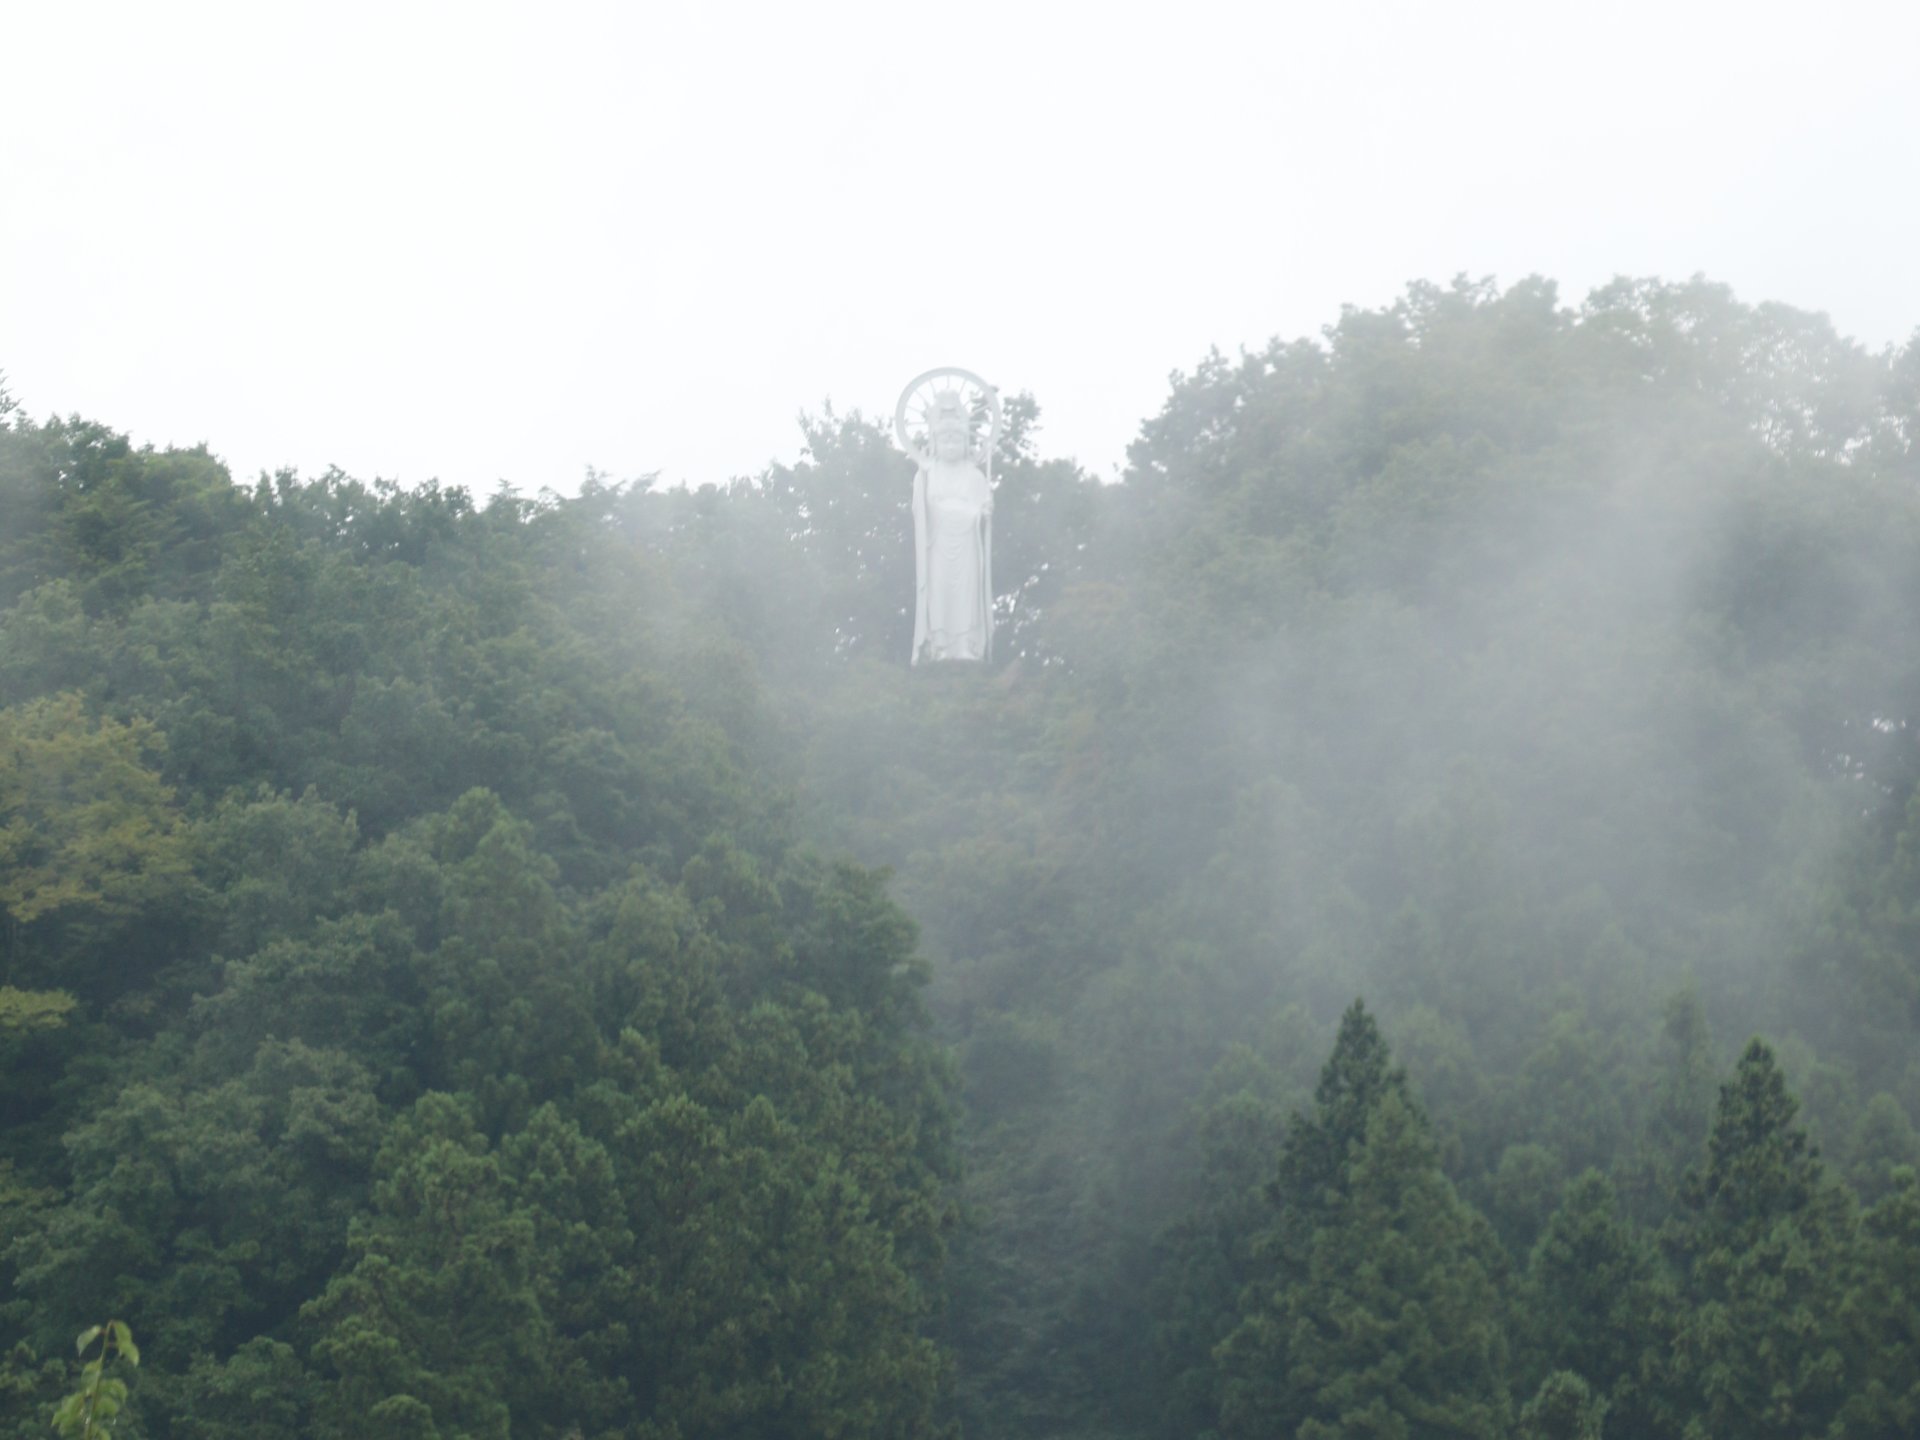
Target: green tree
x,y
1880,1319
1379,1313
1679,1111
204,1212
88,831
1596,1303
1883,1141
434,1325
27,1010
1759,1349
1563,1408
260,1392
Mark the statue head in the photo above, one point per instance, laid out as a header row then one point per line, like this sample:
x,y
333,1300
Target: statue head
x,y
950,426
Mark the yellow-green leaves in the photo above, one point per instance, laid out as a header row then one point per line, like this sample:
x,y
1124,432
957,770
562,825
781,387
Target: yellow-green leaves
x,y
86,826
22,1010
94,1408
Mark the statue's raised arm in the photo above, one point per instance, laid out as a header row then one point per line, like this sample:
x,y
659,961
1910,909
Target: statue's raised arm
x,y
936,423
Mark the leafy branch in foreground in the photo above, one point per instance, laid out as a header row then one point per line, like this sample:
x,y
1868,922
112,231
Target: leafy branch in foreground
x,y
92,1409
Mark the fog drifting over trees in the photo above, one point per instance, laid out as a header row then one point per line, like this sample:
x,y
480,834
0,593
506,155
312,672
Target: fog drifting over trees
x,y
485,966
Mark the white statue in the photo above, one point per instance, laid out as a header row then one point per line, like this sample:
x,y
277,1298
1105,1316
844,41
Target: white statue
x,y
952,513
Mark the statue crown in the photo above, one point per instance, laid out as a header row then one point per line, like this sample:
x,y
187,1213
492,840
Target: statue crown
x,y
949,417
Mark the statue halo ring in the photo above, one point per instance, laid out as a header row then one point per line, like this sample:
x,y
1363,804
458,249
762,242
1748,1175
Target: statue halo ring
x,y
922,393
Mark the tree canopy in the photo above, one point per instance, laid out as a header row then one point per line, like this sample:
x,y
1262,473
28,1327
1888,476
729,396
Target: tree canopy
x,y
485,967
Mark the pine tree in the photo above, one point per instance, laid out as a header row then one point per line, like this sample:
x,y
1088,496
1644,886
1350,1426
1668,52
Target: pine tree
x,y
1758,1352
1597,1304
1379,1315
1679,1112
1881,1317
1315,1161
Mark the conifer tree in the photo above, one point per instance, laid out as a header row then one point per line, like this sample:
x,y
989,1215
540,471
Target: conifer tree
x,y
1379,1313
1596,1304
1881,1319
1758,1352
1679,1112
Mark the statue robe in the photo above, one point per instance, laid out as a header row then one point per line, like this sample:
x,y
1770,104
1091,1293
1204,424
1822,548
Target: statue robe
x,y
952,562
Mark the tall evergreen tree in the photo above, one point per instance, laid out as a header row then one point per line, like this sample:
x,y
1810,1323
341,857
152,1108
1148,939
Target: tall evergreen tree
x,y
1596,1303
1678,1106
1379,1313
1881,1319
1758,1352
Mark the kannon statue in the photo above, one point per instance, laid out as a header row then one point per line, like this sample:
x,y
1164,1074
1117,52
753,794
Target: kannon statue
x,y
952,513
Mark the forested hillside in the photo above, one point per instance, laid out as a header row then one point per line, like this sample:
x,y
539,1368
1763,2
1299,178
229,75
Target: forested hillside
x,y
1418,932
420,1019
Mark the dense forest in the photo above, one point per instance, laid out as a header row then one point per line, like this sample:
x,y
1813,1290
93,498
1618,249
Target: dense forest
x,y
1416,933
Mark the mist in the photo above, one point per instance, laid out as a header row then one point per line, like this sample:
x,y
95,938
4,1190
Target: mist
x,y
594,869
1529,669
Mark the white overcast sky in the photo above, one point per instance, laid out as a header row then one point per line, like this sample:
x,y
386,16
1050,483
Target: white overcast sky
x,y
480,242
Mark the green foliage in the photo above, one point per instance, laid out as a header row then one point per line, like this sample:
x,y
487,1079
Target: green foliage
x,y
1882,1143
1562,1409
1377,1310
1521,1193
1679,1110
260,1392
1758,1351
94,1408
1596,1303
434,1306
455,1041
24,1010
1211,1256
1760,1165
87,828
1880,1318
424,1013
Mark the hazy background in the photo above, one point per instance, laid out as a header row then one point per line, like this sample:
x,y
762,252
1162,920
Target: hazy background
x,y
481,242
